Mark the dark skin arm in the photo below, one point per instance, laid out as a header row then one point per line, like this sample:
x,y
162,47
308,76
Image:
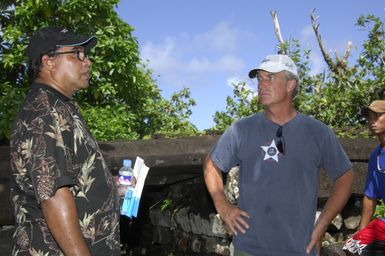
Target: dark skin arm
x,y
368,208
61,216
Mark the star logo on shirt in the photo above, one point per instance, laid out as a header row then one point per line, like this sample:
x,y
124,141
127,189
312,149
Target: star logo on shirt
x,y
271,151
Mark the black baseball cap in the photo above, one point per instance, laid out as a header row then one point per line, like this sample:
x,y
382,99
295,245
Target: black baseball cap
x,y
49,38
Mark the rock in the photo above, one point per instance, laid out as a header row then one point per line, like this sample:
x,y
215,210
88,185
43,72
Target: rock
x,y
333,250
162,235
329,239
160,217
219,228
217,246
337,222
231,186
352,222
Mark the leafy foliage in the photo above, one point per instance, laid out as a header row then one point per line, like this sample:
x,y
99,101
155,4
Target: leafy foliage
x,y
122,102
380,210
242,103
334,98
166,204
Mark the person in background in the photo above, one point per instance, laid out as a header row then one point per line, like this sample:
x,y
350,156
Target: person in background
x,y
64,196
372,232
280,153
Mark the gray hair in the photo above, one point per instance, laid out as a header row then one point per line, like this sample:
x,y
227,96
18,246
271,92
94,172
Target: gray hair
x,y
291,76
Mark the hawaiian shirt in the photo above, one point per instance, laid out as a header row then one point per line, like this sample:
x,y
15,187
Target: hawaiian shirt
x,y
51,147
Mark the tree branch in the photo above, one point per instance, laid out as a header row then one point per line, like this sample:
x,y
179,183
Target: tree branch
x,y
339,66
326,56
278,31
349,47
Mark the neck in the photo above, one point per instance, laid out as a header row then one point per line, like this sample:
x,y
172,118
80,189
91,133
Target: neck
x,y
55,85
280,115
381,138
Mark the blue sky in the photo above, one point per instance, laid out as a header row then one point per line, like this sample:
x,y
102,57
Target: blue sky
x,y
206,45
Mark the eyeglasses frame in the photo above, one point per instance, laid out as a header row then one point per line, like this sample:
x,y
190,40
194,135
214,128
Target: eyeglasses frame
x,y
77,51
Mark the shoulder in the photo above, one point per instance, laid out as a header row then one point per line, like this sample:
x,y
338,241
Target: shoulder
x,y
240,128
313,124
252,120
40,97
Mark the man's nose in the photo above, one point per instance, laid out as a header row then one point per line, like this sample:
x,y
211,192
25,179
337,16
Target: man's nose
x,y
87,62
263,82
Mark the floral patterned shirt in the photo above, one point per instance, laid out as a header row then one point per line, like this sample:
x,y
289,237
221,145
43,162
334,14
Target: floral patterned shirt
x,y
51,147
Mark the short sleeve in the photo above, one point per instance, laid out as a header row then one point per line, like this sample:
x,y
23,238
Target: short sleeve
x,y
225,152
334,159
371,189
50,154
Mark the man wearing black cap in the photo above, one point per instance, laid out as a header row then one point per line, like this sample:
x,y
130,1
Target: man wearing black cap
x,y
371,231
280,153
64,196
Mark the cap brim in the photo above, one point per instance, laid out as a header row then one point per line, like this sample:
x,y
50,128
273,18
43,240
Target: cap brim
x,y
253,73
85,41
365,111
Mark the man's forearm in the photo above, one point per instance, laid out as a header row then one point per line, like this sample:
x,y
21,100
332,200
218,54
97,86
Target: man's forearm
x,y
339,196
214,183
61,216
368,207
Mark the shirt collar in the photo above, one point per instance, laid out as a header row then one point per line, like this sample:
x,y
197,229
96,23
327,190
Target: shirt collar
x,y
51,89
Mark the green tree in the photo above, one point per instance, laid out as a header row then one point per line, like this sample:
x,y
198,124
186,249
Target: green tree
x,y
122,101
336,95
345,89
242,103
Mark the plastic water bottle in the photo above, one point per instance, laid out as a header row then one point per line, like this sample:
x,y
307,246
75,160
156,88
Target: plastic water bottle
x,y
125,173
125,180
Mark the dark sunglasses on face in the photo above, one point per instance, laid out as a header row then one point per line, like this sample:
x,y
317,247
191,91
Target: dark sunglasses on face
x,y
281,142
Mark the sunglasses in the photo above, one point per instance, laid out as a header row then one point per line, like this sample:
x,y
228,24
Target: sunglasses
x,y
281,142
378,161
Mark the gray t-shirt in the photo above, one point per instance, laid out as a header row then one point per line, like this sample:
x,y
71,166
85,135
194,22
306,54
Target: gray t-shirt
x,y
279,191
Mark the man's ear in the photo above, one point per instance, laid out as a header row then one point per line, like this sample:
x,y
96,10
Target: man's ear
x,y
291,84
48,62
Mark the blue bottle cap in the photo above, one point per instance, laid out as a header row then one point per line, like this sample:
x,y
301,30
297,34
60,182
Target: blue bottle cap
x,y
127,162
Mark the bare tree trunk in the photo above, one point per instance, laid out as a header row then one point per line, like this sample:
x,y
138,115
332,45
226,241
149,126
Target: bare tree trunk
x,y
339,66
278,31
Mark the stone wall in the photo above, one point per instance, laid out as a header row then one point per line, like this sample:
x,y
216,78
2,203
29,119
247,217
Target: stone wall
x,y
176,213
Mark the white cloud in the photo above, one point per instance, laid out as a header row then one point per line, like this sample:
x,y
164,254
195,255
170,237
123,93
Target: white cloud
x,y
227,64
160,56
231,81
317,63
236,80
183,62
307,34
222,38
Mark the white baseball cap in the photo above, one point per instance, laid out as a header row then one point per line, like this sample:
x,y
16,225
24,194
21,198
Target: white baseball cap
x,y
275,63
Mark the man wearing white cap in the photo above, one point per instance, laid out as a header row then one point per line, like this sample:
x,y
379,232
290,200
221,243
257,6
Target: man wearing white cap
x,y
280,153
372,231
64,196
